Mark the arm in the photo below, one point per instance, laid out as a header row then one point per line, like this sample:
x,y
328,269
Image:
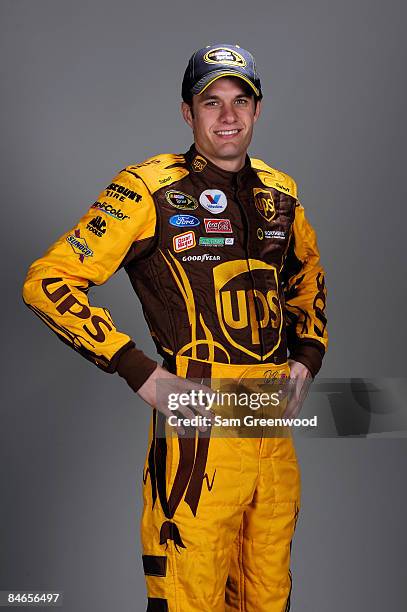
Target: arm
x,y
121,223
305,296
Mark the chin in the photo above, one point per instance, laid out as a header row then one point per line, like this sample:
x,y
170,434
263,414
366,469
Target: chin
x,y
229,147
230,152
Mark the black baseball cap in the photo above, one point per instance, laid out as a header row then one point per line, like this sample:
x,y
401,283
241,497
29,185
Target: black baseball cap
x,y
216,61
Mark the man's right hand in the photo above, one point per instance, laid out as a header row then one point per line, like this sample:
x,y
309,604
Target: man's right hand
x,y
161,383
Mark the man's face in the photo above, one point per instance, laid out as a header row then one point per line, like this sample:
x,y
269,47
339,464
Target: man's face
x,y
222,120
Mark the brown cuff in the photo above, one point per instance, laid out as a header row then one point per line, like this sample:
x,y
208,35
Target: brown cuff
x,y
135,367
310,354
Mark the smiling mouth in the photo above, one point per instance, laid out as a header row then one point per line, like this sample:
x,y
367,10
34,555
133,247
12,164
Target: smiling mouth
x,y
227,133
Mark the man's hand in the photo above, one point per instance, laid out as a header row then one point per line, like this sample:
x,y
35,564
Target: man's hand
x,y
299,383
161,383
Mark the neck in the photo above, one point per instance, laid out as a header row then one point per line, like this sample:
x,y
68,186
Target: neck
x,y
230,165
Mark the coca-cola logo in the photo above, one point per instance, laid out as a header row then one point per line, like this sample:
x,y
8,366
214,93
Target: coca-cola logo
x,y
218,226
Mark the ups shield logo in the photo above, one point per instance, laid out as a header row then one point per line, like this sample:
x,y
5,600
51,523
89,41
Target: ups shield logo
x,y
264,202
199,163
242,309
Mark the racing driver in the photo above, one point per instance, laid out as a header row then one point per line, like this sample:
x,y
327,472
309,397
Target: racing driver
x,y
226,266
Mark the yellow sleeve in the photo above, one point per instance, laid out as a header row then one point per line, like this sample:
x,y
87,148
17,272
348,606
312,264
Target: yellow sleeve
x,y
57,284
305,295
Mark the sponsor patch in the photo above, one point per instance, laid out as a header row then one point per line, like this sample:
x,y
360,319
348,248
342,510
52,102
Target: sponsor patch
x,y
222,55
229,241
108,209
203,257
264,203
213,200
274,178
97,226
238,305
120,192
184,221
181,200
79,245
218,226
66,301
199,163
184,241
213,242
276,234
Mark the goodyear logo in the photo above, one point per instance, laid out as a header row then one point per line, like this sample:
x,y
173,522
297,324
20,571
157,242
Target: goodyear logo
x,y
223,55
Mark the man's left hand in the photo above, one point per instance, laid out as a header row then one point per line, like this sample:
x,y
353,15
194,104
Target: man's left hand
x,y
299,382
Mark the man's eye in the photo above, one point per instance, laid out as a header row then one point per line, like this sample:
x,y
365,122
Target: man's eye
x,y
211,103
241,101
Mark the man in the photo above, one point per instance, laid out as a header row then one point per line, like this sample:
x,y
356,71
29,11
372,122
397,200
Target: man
x,y
226,266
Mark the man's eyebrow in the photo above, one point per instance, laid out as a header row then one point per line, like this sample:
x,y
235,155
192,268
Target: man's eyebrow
x,y
204,96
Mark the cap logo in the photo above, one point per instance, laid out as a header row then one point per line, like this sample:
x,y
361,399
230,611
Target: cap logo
x,y
223,55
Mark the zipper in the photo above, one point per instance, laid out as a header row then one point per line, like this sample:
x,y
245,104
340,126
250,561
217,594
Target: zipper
x,y
246,248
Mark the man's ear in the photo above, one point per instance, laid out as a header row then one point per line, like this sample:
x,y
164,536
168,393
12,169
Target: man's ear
x,y
187,113
257,111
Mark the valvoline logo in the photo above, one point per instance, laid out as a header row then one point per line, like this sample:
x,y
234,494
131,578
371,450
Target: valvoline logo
x,y
184,221
213,200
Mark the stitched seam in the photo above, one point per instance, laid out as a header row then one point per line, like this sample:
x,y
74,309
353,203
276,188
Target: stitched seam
x,y
242,603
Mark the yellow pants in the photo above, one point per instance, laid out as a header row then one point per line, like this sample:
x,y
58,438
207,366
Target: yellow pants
x,y
219,514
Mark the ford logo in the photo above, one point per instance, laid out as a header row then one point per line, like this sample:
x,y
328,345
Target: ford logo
x,y
184,221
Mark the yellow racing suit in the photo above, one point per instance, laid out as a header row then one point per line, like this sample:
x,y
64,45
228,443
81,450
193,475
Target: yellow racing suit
x,y
227,270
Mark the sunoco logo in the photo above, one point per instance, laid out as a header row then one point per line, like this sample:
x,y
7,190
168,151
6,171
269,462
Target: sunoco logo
x,y
223,55
79,245
181,200
239,308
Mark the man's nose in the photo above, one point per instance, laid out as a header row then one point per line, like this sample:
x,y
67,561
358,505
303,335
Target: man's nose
x,y
228,114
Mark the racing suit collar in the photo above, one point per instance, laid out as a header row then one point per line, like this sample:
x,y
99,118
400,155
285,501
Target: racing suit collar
x,y
209,171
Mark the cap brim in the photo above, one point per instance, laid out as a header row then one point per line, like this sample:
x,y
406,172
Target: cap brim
x,y
209,78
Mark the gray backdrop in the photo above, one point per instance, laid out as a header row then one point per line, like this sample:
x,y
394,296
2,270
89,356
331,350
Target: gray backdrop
x,y
88,87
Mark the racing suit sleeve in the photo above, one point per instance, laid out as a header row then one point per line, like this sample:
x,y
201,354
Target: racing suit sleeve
x,y
121,224
305,295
